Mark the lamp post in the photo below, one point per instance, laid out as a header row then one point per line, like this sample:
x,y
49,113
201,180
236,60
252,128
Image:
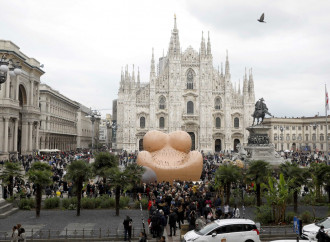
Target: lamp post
x,y
93,116
11,65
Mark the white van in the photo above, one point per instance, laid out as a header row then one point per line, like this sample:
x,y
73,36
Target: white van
x,y
226,230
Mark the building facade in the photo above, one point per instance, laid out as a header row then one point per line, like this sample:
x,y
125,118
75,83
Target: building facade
x,y
185,93
58,123
299,134
84,127
19,104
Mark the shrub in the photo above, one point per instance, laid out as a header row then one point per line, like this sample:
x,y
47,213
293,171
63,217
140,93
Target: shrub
x,y
264,214
123,202
26,203
53,202
107,203
144,203
306,217
69,201
249,200
289,217
88,203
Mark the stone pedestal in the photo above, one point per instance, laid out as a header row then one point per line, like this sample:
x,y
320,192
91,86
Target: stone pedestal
x,y
259,148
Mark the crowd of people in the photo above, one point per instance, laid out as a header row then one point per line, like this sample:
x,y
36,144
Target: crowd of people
x,y
18,234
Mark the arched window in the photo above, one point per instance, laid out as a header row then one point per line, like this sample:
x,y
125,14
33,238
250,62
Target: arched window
x,y
321,137
161,122
236,122
190,79
314,137
142,122
217,103
162,102
190,107
287,137
217,123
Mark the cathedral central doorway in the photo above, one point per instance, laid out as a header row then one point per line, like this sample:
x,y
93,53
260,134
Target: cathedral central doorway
x,y
140,144
192,136
217,145
236,142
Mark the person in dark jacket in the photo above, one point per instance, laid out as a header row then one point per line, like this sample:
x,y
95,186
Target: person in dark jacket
x,y
128,228
173,217
322,236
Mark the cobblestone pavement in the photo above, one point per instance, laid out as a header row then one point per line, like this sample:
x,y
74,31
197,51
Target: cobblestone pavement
x,y
65,222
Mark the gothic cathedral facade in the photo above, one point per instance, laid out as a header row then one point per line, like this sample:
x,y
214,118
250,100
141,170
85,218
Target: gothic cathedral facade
x,y
186,93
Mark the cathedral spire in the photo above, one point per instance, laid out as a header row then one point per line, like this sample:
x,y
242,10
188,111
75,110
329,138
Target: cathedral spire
x,y
227,65
239,86
138,78
152,67
202,51
133,75
245,83
251,83
174,48
208,44
175,27
221,70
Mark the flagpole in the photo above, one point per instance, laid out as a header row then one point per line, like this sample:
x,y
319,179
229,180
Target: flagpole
x,y
326,123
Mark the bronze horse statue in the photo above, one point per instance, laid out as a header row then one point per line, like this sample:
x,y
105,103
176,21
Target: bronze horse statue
x,y
259,114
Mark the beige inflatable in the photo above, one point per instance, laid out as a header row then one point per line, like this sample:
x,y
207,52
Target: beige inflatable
x,y
169,156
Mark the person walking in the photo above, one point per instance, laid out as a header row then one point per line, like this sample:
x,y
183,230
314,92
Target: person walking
x,y
322,236
14,235
172,222
128,228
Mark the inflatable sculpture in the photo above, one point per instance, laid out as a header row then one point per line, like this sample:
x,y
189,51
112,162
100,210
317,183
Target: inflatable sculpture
x,y
169,157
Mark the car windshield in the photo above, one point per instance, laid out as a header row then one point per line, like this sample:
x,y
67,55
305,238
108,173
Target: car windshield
x,y
325,222
208,228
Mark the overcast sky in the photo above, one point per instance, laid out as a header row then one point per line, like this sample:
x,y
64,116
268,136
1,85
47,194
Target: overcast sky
x,y
83,44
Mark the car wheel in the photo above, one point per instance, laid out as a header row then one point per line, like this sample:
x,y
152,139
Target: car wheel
x,y
249,240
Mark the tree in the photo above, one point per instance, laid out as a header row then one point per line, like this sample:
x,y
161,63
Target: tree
x,y
11,171
258,173
278,192
298,176
104,161
225,176
79,171
135,173
318,172
124,180
40,174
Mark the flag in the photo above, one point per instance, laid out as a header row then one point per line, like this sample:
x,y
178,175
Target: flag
x,y
326,99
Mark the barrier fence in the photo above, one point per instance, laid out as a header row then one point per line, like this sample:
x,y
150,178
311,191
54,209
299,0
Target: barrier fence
x,y
73,234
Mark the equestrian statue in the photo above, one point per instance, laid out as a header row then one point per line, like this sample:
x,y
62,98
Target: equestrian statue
x,y
260,111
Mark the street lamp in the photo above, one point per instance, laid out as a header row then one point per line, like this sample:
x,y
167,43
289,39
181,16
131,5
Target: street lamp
x,y
93,116
11,65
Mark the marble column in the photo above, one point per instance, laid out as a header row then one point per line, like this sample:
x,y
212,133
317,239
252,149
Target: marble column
x,y
15,135
25,134
8,87
5,144
17,88
37,137
31,93
30,136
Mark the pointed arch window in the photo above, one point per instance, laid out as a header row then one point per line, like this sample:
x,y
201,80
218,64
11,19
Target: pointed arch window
x,y
142,122
218,123
161,122
162,102
190,107
190,79
236,122
217,103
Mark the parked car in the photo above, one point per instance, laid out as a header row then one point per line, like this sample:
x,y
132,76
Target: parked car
x,y
229,230
309,231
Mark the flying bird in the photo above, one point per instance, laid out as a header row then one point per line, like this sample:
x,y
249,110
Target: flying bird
x,y
262,17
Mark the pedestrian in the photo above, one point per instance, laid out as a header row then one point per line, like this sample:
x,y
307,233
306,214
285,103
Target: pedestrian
x,y
143,237
128,228
21,233
226,210
192,221
173,217
236,212
14,235
322,236
200,223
